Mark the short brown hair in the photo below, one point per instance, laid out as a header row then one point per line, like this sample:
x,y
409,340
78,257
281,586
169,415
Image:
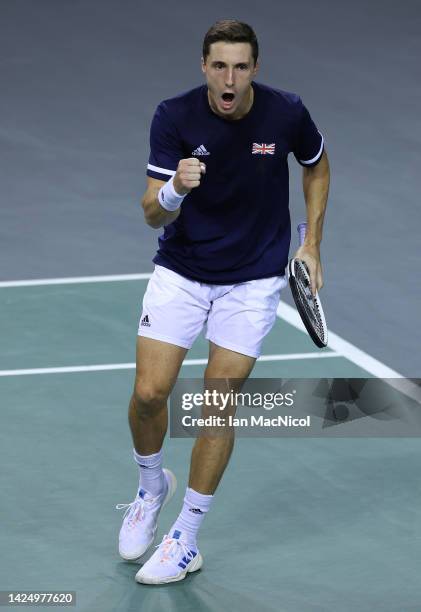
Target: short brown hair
x,y
233,31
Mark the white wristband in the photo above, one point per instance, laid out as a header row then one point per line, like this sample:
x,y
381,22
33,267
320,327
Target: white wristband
x,y
169,198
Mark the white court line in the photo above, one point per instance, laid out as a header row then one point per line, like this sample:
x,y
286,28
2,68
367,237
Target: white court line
x,y
74,280
131,366
341,347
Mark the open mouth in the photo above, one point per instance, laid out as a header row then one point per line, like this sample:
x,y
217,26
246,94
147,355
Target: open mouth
x,y
227,100
228,97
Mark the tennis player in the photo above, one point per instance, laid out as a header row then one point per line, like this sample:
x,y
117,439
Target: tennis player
x,y
218,185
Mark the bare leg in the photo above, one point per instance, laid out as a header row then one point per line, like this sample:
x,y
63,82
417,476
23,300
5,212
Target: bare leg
x,y
211,454
157,367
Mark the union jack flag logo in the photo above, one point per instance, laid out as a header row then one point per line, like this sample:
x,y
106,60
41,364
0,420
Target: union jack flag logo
x,y
263,149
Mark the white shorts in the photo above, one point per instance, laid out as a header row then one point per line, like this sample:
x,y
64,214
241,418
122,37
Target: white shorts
x,y
238,316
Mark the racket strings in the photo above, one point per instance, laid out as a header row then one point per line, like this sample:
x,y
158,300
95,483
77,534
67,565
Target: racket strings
x,y
307,300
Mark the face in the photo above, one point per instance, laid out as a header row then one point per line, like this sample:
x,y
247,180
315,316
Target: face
x,y
229,70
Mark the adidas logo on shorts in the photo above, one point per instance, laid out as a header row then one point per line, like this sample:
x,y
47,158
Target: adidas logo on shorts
x,y
145,321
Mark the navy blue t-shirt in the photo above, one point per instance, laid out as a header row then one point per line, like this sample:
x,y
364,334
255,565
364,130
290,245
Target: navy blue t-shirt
x,y
235,226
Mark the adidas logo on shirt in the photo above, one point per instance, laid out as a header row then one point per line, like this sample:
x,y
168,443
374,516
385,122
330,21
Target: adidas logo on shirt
x,y
200,151
145,321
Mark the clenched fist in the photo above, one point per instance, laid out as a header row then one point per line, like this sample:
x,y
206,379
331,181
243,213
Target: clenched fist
x,y
188,175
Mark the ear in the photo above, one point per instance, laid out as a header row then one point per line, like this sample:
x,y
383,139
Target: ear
x,y
203,65
256,68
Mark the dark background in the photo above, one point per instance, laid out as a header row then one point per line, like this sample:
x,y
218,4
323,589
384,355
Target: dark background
x,y
79,84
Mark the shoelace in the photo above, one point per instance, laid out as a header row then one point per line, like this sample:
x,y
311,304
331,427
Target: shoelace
x,y
136,509
170,548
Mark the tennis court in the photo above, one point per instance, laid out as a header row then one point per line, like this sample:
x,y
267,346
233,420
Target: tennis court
x,y
298,524
330,511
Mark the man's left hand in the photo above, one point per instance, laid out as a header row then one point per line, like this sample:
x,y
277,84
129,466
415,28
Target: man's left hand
x,y
311,256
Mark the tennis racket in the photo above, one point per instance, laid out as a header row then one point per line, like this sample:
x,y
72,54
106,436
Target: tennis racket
x,y
308,305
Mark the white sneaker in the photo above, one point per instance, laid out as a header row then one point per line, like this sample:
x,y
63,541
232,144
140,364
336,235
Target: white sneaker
x,y
170,562
140,519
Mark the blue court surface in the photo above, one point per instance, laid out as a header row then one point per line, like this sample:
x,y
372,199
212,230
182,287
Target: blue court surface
x,y
297,524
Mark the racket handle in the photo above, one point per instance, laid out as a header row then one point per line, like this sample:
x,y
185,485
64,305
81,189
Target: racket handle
x,y
301,229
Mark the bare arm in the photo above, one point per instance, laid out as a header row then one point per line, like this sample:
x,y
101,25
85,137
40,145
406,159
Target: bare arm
x,y
155,215
185,179
316,190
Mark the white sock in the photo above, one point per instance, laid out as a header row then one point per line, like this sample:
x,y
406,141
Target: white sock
x,y
151,476
191,516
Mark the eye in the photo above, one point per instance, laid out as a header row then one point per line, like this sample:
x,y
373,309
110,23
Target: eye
x,y
242,66
219,65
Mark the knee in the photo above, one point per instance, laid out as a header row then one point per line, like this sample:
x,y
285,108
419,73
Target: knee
x,y
149,397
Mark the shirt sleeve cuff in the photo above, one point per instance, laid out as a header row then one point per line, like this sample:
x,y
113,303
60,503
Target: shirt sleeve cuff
x,y
308,163
162,174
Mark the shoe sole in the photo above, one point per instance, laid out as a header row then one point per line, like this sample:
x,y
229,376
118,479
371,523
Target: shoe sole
x,y
195,565
172,485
